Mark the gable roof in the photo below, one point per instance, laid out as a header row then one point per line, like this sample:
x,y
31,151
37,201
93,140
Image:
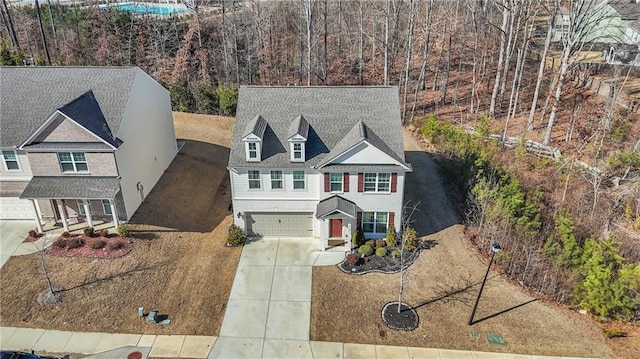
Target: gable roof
x,y
30,95
299,126
256,127
332,113
335,205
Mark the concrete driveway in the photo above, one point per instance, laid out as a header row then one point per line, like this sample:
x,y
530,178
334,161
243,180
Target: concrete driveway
x,y
269,308
12,234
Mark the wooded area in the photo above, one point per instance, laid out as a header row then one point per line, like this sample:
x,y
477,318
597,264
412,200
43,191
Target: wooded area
x,y
488,66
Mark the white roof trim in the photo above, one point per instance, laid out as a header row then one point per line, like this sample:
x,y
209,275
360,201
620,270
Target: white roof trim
x,y
330,161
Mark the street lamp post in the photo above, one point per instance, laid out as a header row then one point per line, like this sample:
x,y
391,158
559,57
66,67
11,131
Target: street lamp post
x,y
495,248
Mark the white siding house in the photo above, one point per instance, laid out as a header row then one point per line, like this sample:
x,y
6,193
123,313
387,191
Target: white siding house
x,y
90,142
317,162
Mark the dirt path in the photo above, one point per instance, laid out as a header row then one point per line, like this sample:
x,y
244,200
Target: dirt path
x,y
442,285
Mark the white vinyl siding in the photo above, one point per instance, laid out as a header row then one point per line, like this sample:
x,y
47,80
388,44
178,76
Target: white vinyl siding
x,y
16,208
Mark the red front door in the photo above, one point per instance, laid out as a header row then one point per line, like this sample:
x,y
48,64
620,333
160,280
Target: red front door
x,y
335,228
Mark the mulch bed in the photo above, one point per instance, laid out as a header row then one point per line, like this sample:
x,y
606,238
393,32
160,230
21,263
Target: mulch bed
x,y
91,247
386,264
30,239
407,319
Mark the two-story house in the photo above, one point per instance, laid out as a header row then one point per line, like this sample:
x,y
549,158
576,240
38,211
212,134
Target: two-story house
x,y
317,161
81,144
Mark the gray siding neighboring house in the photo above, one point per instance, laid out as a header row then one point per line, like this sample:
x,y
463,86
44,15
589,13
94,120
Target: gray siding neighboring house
x,y
67,142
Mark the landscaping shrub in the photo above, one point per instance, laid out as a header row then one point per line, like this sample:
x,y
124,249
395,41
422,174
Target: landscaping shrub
x,y
391,236
365,249
370,243
380,243
66,234
395,253
357,237
98,244
104,233
381,252
351,259
115,245
613,332
123,230
89,232
33,233
410,239
75,243
235,236
61,243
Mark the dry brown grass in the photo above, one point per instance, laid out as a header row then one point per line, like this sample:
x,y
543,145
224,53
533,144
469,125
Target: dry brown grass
x,y
442,285
179,265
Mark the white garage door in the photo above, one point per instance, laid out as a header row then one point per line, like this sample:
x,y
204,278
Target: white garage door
x,y
280,224
16,208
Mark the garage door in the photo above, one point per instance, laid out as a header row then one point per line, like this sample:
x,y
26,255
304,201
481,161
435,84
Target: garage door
x,y
280,224
16,208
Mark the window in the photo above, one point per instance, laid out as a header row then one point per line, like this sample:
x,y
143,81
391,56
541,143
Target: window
x,y
73,162
254,179
298,179
106,206
10,160
276,180
377,182
335,181
81,210
374,222
253,150
297,152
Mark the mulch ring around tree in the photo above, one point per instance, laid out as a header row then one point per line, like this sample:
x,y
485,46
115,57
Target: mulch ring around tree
x,y
406,319
90,247
386,264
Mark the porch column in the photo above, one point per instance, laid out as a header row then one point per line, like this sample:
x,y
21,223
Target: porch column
x,y
37,210
63,217
114,214
87,212
349,234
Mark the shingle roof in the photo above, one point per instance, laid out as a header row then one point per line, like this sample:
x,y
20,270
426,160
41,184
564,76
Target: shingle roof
x,y
47,146
86,111
335,203
256,126
12,188
299,126
29,95
64,187
331,111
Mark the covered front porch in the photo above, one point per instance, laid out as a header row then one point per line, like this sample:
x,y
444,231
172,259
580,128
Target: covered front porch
x,y
74,203
338,216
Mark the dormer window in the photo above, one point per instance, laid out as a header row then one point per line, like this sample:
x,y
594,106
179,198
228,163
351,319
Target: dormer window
x,y
253,151
297,152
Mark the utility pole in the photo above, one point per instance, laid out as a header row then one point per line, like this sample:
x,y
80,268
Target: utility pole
x,y
9,23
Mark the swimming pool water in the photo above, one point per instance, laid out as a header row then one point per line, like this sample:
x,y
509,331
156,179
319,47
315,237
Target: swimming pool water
x,y
146,8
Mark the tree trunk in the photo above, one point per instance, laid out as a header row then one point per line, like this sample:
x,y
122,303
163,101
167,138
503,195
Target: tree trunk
x,y
501,56
543,59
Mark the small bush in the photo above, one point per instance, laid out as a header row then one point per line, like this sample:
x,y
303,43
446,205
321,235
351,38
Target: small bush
x,y
380,243
613,332
410,239
104,233
235,236
365,249
74,243
33,233
370,243
123,230
395,253
391,236
381,252
115,245
61,243
98,244
352,259
357,237
89,232
66,234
